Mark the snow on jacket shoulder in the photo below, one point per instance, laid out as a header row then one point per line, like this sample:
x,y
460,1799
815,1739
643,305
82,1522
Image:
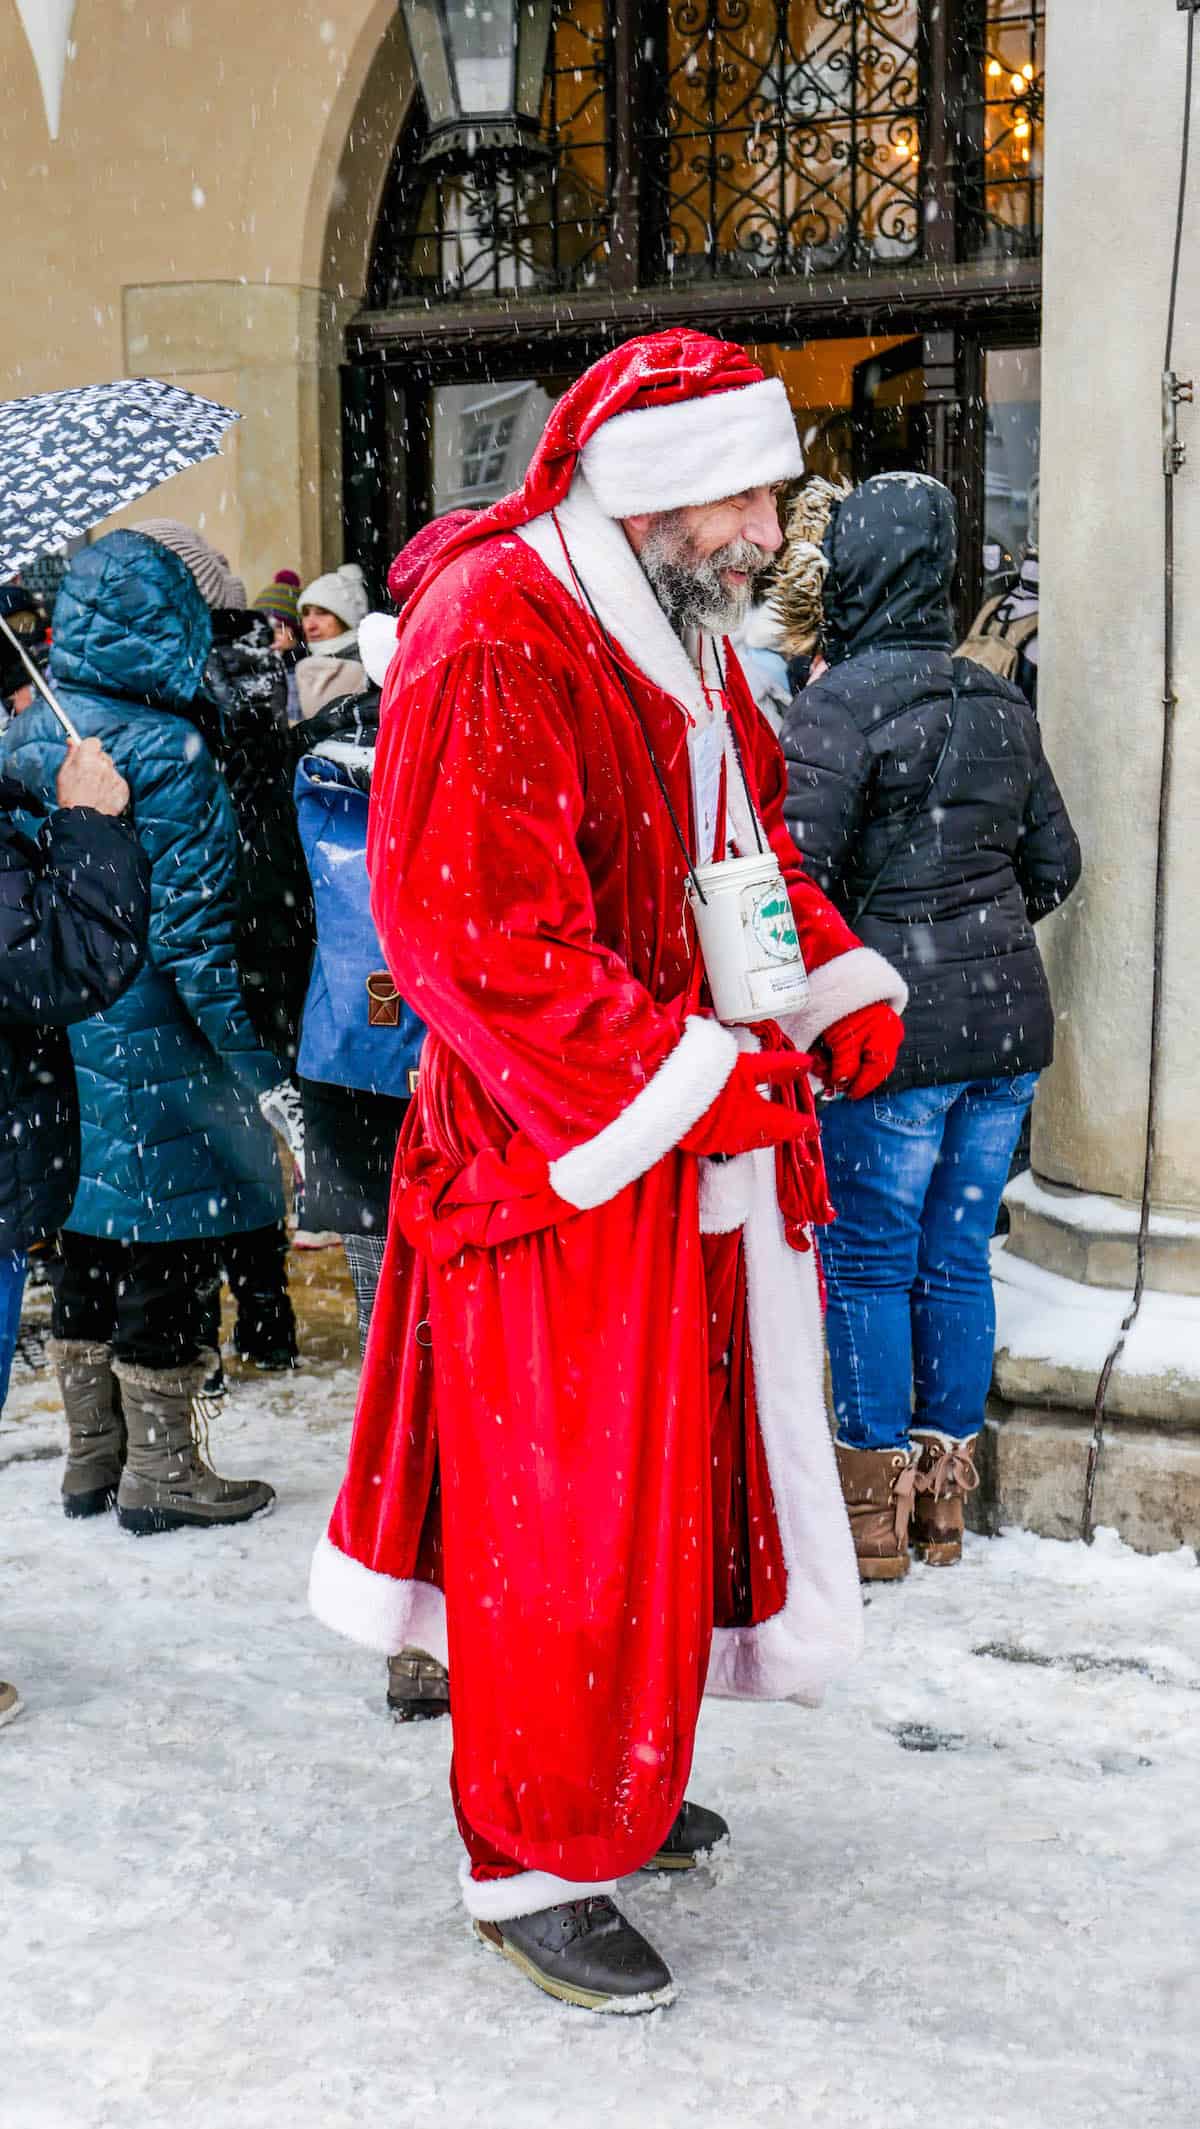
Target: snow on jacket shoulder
x,y
74,907
956,888
173,1146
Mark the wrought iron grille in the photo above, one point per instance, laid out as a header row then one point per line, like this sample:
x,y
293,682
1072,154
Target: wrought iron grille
x,y
770,138
794,134
493,224
1001,157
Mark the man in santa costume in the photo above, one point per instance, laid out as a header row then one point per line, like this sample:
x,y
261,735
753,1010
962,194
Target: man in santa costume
x,y
591,1467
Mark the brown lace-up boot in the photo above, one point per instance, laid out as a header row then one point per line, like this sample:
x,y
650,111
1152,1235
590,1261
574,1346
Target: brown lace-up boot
x,y
166,1483
945,1475
878,1487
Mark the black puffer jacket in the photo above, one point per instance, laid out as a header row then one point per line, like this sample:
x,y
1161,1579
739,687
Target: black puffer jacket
x,y
74,910
242,713
961,883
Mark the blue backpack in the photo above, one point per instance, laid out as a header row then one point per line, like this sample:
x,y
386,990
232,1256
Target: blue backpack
x,y
345,1038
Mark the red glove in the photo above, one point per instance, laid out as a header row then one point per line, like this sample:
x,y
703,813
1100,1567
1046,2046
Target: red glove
x,y
739,1120
861,1050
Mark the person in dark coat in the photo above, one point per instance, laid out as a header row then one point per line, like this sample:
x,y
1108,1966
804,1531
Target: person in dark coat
x,y
175,1154
74,912
241,710
922,802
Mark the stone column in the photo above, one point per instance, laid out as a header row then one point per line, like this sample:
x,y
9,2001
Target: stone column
x,y
273,496
1115,77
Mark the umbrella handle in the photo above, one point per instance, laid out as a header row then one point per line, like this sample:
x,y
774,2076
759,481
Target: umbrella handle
x,y
43,689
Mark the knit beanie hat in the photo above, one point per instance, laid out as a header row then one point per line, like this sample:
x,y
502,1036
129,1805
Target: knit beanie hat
x,y
281,598
214,579
340,591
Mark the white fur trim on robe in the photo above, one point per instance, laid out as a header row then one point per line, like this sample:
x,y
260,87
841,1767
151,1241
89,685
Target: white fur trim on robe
x,y
375,1609
694,450
526,1893
845,984
687,1081
604,563
818,1633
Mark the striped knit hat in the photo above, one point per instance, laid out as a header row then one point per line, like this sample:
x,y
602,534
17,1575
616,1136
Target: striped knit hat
x,y
281,598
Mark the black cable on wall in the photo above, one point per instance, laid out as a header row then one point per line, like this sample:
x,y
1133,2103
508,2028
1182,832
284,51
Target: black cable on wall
x,y
1174,393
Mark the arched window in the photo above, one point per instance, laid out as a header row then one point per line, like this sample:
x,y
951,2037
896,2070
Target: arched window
x,y
561,146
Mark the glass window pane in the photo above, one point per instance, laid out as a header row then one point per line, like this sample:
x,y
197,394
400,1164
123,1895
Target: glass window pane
x,y
483,439
1004,129
1013,400
795,135
481,39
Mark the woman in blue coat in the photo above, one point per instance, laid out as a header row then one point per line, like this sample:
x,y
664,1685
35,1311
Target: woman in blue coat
x,y
174,1151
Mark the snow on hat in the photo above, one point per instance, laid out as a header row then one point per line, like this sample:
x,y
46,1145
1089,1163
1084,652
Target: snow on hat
x,y
280,597
664,420
340,591
215,581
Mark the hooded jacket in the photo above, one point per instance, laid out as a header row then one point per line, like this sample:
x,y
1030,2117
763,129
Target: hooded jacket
x,y
74,906
173,1146
956,886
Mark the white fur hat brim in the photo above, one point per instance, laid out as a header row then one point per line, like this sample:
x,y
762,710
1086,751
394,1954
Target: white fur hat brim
x,y
694,450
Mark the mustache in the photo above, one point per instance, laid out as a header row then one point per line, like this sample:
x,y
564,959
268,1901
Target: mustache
x,y
744,555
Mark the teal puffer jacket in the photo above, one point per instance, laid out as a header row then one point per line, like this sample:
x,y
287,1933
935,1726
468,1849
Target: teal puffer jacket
x,y
173,1146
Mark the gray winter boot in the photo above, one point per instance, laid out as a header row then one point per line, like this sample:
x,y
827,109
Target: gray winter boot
x,y
95,1427
166,1484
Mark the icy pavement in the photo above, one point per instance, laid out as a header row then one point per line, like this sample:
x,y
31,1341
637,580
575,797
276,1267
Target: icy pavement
x,y
964,1895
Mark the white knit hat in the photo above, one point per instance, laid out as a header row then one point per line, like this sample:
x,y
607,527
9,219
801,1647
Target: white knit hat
x,y
340,591
215,580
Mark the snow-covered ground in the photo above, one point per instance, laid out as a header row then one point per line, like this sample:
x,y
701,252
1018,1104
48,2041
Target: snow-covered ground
x,y
964,1895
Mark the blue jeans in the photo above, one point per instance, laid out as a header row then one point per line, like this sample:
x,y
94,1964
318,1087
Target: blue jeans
x,y
12,1288
916,1180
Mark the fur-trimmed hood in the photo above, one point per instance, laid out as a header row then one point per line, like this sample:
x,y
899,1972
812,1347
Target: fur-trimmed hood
x,y
870,567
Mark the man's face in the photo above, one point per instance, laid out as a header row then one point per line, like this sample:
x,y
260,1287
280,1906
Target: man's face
x,y
704,561
320,626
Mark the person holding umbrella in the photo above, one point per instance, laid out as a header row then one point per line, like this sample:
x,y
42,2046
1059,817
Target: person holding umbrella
x,y
74,911
175,1154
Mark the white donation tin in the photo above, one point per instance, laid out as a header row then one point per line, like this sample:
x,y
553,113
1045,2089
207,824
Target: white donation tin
x,y
748,938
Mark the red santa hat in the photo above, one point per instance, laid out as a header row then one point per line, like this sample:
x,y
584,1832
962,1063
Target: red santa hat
x,y
662,421
665,420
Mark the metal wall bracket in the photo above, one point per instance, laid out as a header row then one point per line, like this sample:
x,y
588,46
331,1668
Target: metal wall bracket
x,y
1176,392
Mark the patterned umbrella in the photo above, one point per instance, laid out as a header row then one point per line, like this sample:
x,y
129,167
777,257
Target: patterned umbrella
x,y
69,459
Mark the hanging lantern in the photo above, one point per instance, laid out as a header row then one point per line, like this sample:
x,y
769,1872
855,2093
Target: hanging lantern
x,y
482,67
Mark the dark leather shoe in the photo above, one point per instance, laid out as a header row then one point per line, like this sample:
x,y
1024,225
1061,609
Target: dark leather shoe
x,y
584,1953
418,1687
694,1835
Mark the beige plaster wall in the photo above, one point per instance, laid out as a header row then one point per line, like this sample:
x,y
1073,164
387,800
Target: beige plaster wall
x,y
206,214
1115,80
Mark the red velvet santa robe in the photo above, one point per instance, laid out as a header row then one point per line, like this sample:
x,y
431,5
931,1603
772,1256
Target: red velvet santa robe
x,y
591,1412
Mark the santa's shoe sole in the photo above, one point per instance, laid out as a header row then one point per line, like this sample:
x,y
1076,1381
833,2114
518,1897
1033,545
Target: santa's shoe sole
x,y
417,1710
666,1862
566,1991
